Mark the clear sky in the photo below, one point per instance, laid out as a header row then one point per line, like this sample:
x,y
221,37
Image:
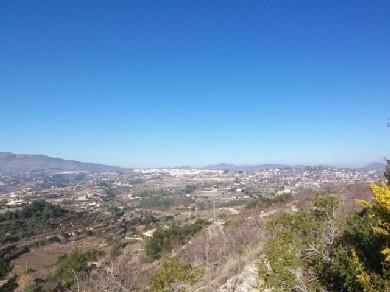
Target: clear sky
x,y
158,83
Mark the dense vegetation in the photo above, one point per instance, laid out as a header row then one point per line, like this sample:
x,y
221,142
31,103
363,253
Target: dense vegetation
x,y
37,216
4,267
38,209
172,272
145,218
163,202
291,255
74,266
266,202
259,201
164,240
315,248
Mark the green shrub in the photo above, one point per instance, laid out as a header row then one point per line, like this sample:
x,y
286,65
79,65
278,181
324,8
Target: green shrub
x,y
4,267
356,260
309,252
296,250
34,218
33,288
164,240
163,202
172,272
74,266
266,202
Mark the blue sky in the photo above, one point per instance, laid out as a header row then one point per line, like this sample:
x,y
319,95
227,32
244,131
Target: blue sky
x,y
158,83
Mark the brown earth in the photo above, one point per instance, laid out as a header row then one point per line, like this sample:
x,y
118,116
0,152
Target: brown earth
x,y
41,261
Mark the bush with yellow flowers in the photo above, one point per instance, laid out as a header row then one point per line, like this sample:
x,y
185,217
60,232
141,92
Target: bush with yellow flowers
x,y
360,258
314,250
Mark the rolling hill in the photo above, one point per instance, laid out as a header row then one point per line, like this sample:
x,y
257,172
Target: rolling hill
x,y
29,162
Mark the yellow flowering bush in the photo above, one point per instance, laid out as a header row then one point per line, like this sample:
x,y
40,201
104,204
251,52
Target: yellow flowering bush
x,y
379,208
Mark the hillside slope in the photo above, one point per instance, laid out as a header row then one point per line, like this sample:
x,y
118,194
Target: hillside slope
x,y
27,162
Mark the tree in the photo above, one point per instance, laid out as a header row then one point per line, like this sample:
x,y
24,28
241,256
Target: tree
x,y
74,266
387,172
164,240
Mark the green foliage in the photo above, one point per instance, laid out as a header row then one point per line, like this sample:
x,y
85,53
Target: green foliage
x,y
355,263
38,209
35,217
360,258
325,205
144,219
147,219
74,264
233,203
296,250
4,267
266,202
172,272
164,240
189,189
115,211
307,253
283,253
33,288
260,201
163,202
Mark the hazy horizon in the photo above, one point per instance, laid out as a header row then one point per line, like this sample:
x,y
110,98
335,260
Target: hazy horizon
x,y
352,165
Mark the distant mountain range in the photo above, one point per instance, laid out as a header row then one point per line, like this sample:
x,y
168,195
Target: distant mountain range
x,y
28,162
245,167
376,166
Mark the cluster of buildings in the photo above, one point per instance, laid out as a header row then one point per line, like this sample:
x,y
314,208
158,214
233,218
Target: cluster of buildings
x,y
101,191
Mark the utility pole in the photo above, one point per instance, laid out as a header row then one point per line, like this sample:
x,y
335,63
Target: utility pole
x,y
214,191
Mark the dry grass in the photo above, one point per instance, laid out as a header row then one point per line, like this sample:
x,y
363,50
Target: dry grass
x,y
41,261
225,252
128,272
